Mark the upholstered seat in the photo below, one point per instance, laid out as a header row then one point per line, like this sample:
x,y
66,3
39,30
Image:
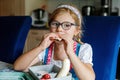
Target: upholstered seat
x,y
13,33
103,33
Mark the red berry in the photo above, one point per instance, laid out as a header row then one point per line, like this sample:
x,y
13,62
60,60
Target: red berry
x,y
46,76
42,79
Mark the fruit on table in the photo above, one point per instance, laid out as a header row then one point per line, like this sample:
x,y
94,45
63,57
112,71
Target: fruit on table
x,y
65,68
45,76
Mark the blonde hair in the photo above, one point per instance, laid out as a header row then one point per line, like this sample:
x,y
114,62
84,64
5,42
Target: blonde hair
x,y
78,20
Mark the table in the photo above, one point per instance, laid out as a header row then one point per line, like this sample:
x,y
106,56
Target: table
x,y
7,72
5,66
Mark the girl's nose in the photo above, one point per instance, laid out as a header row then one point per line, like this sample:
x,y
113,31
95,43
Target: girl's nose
x,y
60,28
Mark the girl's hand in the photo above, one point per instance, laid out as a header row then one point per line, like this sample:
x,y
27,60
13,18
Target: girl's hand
x,y
68,42
47,40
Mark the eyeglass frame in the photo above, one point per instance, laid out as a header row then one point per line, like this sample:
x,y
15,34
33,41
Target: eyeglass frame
x,y
61,24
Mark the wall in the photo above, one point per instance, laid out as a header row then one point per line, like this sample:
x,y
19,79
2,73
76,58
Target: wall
x,y
30,5
12,7
116,5
52,4
17,7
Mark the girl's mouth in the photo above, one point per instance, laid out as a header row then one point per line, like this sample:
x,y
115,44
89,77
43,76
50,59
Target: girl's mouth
x,y
58,39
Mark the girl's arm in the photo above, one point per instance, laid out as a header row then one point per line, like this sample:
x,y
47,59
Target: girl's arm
x,y
84,71
31,57
27,59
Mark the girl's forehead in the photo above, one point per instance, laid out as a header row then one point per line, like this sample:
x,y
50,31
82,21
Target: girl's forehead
x,y
64,17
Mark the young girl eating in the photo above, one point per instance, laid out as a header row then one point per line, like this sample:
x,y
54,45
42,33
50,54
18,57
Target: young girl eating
x,y
63,41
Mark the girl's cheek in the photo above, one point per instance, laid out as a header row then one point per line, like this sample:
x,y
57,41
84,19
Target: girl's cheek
x,y
53,29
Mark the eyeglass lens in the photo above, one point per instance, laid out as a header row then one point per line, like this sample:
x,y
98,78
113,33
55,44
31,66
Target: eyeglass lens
x,y
64,25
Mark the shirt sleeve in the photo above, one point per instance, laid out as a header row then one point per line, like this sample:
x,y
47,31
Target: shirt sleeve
x,y
86,53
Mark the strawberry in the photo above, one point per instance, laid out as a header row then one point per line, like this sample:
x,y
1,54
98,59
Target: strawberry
x,y
45,76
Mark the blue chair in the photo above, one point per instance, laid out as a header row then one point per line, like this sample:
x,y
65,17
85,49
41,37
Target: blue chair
x,y
13,33
103,33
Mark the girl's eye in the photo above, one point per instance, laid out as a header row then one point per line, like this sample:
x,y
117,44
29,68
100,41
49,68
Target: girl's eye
x,y
54,24
67,25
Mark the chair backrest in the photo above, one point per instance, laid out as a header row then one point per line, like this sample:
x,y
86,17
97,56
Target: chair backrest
x,y
13,33
103,33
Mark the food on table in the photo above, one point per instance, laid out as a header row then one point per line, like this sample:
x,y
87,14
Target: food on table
x,y
45,76
65,68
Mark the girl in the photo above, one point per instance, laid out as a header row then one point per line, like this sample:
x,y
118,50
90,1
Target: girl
x,y
65,26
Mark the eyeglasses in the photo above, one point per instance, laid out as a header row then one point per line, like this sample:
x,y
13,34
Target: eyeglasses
x,y
64,25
